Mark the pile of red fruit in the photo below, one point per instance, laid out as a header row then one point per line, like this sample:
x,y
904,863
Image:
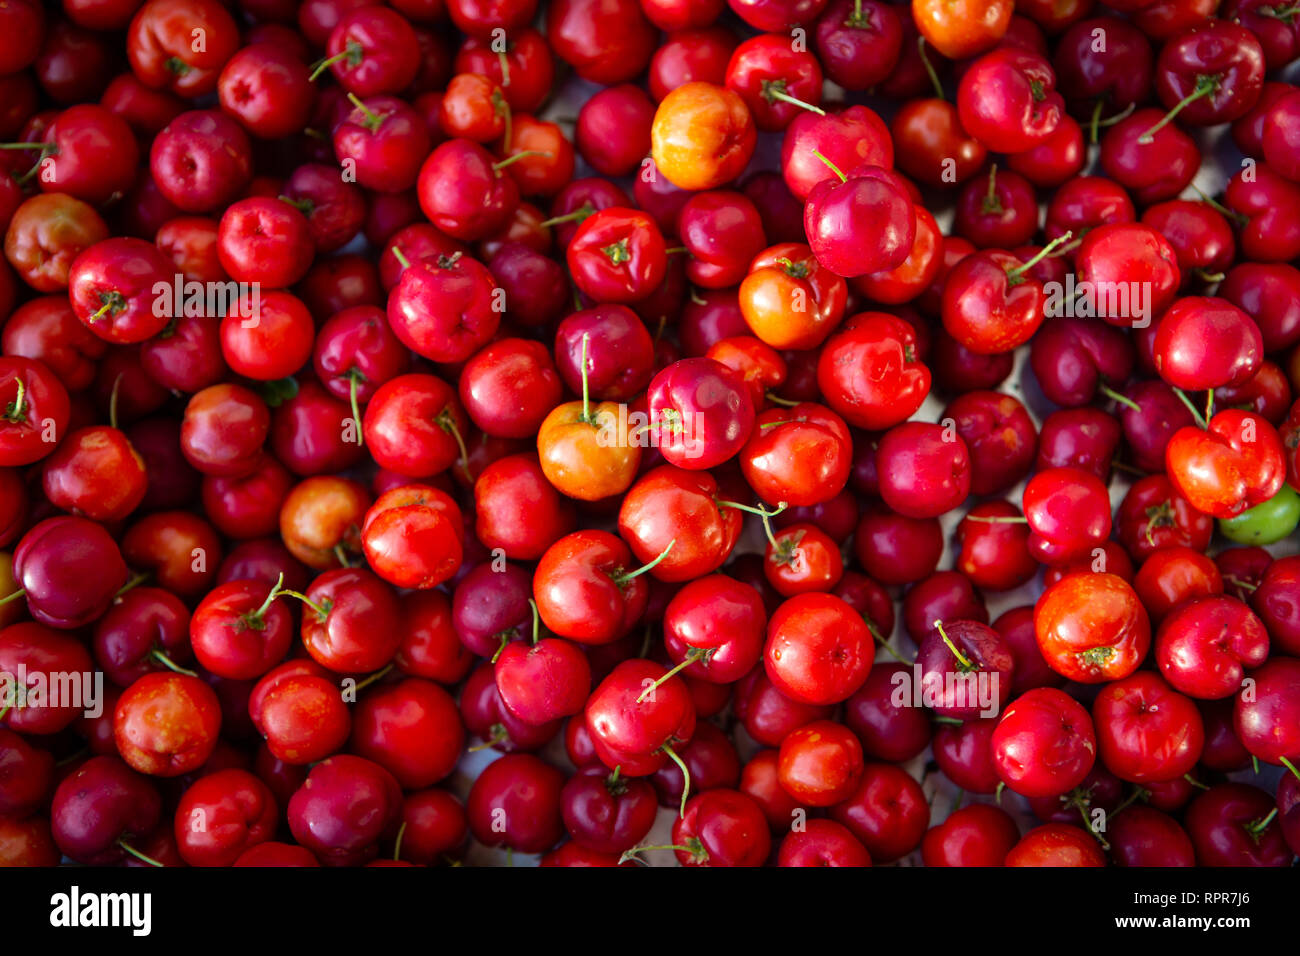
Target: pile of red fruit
x,y
355,418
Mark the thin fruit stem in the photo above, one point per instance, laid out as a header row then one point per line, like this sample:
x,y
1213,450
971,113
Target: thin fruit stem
x,y
1240,218
402,261
17,409
1096,118
171,665
274,593
12,597
586,391
356,408
376,676
880,639
693,655
137,854
1043,253
831,166
964,661
134,580
373,119
632,855
321,612
1136,795
112,400
794,101
686,775
624,578
579,214
1117,397
353,52
1259,826
522,154
929,68
1204,87
1196,414
397,844
447,422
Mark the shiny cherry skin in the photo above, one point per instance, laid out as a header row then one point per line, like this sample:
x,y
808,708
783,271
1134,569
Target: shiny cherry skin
x,y
636,715
887,812
1230,825
1147,731
1234,464
819,651
411,728
870,371
1205,645
70,569
350,805
925,469
166,724
1092,628
976,835
222,815
717,624
1044,744
100,805
1264,718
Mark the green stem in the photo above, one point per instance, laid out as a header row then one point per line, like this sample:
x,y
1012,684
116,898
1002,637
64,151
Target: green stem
x,y
880,639
133,581
171,665
831,166
356,407
522,154
763,513
586,392
373,119
321,612
112,400
1196,414
1205,85
693,655
773,92
397,844
1043,253
778,400
578,215
929,68
633,857
137,854
1117,397
686,775
353,53
963,661
377,675
622,579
